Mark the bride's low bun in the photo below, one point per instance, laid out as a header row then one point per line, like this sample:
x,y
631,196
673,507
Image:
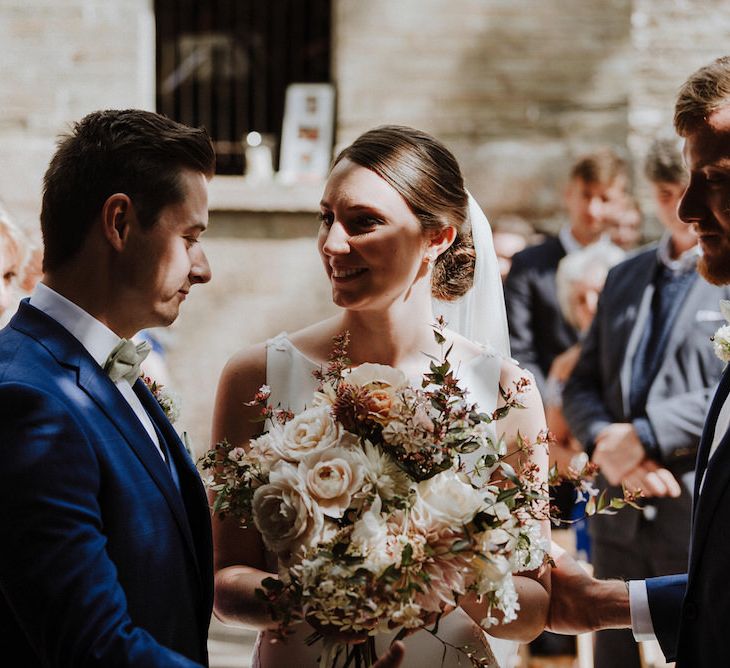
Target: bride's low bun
x,y
453,271
427,176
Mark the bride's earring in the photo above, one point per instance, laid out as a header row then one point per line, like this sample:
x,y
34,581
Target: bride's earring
x,y
430,260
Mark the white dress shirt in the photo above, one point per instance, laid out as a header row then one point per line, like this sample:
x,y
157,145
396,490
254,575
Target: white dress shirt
x,y
98,340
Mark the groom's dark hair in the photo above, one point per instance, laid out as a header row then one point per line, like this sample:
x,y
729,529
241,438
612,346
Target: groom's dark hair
x,y
138,153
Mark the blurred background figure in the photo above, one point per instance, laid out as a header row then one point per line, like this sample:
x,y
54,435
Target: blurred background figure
x,y
511,234
12,255
639,393
579,280
625,224
538,330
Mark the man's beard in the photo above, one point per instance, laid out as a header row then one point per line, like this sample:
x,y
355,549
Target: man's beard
x,y
715,269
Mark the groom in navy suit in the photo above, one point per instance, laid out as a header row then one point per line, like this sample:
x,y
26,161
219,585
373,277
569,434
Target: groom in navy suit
x,y
105,548
689,613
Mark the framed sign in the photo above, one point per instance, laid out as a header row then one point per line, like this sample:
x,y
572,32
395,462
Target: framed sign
x,y
307,133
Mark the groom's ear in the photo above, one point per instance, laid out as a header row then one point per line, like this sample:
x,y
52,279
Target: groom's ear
x,y
117,214
440,240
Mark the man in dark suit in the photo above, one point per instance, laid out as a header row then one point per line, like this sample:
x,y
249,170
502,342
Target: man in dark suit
x,y
538,329
105,555
638,396
688,613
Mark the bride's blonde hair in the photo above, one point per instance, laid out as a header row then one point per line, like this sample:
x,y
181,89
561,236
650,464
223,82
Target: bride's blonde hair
x,y
425,173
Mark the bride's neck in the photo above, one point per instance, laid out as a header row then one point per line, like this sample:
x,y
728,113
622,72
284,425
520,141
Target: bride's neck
x,y
396,336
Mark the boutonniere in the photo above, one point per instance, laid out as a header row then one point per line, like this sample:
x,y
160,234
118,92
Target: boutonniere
x,y
167,400
721,338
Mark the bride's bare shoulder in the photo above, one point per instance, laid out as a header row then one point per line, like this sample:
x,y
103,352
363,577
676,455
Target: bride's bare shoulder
x,y
244,372
315,341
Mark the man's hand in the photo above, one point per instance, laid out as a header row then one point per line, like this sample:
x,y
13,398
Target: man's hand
x,y
392,658
618,451
580,603
652,480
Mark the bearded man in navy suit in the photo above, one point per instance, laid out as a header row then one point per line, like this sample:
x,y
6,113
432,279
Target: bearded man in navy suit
x,y
105,548
688,613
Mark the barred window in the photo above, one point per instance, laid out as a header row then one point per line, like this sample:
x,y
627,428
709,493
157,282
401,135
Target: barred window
x,y
225,65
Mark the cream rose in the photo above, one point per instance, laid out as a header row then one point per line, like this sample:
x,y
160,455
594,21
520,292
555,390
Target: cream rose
x,y
311,431
447,501
371,376
332,477
267,448
284,513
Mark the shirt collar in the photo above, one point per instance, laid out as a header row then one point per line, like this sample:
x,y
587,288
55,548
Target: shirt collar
x,y
687,261
93,335
570,243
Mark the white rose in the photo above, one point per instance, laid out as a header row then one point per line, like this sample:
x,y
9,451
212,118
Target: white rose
x,y
332,477
448,500
313,430
283,512
378,375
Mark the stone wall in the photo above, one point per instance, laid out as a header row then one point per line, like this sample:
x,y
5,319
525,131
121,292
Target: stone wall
x,y
61,60
516,89
670,40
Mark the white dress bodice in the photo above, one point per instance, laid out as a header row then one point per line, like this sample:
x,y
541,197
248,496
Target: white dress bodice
x,y
289,375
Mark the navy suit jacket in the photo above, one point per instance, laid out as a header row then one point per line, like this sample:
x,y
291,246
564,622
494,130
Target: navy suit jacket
x,y
103,561
690,612
538,332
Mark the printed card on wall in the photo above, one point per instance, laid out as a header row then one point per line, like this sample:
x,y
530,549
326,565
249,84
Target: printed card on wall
x,y
307,134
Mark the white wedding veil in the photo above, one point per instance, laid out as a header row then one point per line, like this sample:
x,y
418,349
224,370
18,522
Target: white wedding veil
x,y
480,315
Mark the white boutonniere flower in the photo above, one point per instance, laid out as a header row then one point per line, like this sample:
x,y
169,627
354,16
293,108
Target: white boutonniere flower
x,y
168,401
721,338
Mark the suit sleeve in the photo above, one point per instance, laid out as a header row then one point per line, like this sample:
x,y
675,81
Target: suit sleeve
x,y
583,405
518,301
55,572
666,595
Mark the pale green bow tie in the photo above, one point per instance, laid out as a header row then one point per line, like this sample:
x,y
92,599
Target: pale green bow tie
x,y
126,358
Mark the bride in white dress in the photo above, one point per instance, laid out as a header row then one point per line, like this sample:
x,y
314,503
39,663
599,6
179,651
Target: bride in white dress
x,y
394,234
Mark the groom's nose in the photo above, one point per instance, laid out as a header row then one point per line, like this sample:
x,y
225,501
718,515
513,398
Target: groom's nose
x,y
200,269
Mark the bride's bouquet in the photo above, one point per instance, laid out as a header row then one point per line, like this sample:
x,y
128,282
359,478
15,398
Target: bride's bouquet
x,y
378,522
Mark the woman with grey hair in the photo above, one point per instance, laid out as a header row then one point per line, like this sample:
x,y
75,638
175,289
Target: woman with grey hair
x,y
579,278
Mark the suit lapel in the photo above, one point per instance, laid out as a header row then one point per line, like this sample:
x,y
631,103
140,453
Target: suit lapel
x,y
191,487
716,473
643,295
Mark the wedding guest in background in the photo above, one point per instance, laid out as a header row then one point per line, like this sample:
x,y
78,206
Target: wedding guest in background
x,y
106,556
625,223
579,280
511,234
12,254
538,330
638,396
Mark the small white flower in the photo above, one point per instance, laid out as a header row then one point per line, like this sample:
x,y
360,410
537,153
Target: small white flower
x,y
721,343
384,474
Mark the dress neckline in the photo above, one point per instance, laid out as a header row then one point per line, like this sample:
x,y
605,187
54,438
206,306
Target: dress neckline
x,y
487,351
